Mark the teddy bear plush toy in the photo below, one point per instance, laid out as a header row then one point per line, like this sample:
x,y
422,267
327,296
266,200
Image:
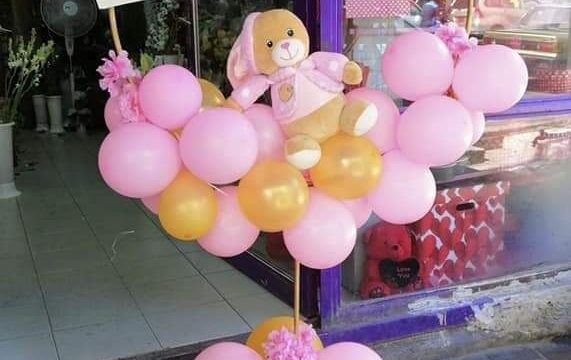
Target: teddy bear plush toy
x,y
390,267
271,52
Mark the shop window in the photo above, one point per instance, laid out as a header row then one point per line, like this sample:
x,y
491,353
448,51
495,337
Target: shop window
x,y
220,22
501,209
538,31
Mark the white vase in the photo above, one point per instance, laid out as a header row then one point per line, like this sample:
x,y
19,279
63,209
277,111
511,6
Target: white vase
x,y
41,113
56,114
7,186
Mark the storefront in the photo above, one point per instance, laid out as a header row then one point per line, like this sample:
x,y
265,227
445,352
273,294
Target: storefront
x,y
500,212
500,220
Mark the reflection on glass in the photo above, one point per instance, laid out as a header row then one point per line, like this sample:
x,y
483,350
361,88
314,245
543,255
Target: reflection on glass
x,y
541,37
220,21
501,209
538,30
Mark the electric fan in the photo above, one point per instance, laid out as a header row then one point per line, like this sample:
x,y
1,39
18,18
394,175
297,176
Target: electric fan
x,y
70,19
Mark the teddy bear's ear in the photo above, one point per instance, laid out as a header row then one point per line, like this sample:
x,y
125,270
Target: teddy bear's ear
x,y
241,62
368,235
237,65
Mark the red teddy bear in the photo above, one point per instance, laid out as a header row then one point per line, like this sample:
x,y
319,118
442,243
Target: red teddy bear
x,y
390,267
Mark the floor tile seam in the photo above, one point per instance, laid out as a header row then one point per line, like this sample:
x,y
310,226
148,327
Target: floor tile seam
x,y
538,352
262,290
196,267
81,294
62,271
154,313
118,274
130,261
39,283
129,290
221,295
39,334
132,285
98,323
239,297
104,252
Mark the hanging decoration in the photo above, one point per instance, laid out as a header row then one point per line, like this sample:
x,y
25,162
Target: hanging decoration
x,y
313,165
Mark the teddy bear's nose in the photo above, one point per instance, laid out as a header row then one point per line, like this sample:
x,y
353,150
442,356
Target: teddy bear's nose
x,y
285,45
395,248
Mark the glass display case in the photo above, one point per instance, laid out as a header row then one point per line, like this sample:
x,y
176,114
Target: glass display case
x,y
500,213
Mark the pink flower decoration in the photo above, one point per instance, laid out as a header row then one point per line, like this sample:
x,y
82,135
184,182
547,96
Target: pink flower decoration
x,y
115,71
285,345
456,38
129,101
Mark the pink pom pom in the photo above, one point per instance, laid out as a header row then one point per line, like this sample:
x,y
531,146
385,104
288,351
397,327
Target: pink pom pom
x,y
115,71
284,345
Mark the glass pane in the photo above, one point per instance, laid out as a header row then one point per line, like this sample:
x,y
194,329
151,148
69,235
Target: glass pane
x,y
501,209
220,21
538,30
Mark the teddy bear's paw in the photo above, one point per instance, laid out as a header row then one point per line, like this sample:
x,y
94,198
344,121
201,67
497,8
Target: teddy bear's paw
x,y
366,121
304,159
376,293
302,151
358,117
352,73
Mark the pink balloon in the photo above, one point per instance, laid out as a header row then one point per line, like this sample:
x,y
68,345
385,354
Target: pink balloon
x,y
228,350
270,135
112,113
360,208
406,191
139,160
435,131
383,134
219,145
478,125
490,78
152,203
169,96
347,350
232,233
325,235
417,64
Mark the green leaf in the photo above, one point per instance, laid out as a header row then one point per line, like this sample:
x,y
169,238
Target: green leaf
x,y
146,63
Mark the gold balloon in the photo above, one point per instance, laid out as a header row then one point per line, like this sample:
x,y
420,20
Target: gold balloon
x,y
349,167
211,95
273,195
187,208
260,334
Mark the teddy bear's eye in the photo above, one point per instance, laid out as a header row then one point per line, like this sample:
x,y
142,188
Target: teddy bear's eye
x,y
290,32
269,43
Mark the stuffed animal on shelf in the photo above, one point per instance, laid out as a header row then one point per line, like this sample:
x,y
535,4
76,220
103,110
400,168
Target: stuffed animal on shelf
x,y
271,52
390,267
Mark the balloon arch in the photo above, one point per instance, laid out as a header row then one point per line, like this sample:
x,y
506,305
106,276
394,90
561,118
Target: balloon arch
x,y
219,176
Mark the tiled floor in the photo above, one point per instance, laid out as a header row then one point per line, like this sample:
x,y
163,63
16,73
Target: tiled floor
x,y
87,274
